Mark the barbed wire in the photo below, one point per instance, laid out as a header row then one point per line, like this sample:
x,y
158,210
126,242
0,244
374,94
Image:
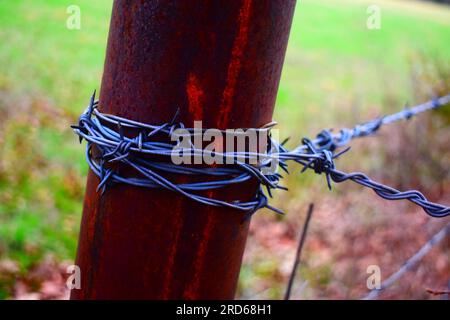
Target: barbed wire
x,y
330,141
410,263
139,152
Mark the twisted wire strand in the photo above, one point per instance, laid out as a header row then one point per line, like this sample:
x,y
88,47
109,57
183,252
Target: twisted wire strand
x,y
113,146
330,141
410,263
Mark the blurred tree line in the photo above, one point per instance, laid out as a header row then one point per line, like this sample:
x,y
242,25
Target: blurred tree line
x,y
440,1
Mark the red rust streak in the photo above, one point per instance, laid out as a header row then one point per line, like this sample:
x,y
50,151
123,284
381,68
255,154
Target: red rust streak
x,y
191,292
169,272
234,68
195,96
235,63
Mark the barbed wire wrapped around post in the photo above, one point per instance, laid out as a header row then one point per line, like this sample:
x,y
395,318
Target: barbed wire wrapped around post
x,y
140,153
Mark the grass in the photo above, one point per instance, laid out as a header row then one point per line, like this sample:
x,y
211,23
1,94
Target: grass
x,y
336,72
334,61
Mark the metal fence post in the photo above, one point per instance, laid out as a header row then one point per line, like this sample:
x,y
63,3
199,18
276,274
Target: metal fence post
x,y
220,62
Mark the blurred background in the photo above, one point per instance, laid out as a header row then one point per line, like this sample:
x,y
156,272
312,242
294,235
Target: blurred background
x,y
338,72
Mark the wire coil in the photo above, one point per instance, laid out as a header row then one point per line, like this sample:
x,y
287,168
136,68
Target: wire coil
x,y
150,158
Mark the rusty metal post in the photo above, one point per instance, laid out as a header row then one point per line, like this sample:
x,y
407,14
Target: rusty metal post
x,y
218,61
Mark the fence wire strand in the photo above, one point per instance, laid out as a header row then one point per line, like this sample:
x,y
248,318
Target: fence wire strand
x,y
113,146
410,263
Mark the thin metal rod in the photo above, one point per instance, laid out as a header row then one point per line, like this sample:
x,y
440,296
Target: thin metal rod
x,y
299,251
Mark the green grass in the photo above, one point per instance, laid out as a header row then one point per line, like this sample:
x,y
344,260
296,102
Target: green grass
x,y
60,63
336,72
334,61
44,67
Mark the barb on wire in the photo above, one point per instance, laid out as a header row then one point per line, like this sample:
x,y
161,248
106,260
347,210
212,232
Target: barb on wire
x,y
140,153
410,263
330,141
324,164
299,252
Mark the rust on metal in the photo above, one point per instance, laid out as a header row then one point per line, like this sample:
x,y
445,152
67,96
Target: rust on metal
x,y
219,62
